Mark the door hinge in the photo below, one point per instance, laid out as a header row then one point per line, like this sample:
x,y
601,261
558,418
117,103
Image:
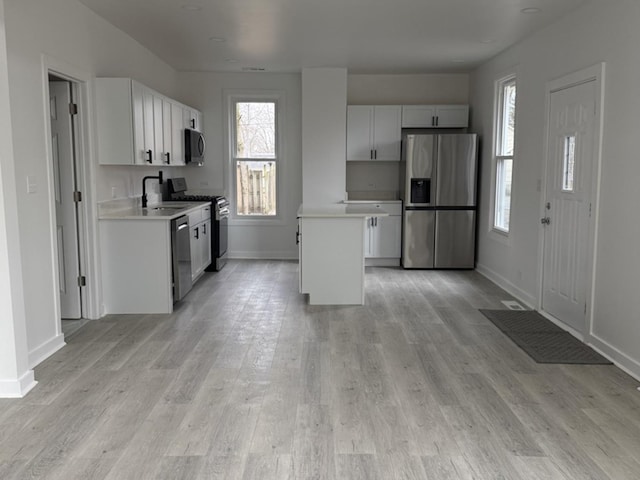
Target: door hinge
x,y
77,197
82,281
73,109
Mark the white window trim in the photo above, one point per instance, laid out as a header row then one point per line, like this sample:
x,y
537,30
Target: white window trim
x,y
277,96
497,232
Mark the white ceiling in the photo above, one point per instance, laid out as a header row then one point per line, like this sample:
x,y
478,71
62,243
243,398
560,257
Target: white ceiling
x,y
365,36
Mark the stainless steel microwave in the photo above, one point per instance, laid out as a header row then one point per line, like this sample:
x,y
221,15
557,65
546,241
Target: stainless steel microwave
x,y
194,147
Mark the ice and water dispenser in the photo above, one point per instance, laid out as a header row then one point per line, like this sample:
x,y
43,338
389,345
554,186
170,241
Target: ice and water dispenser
x,y
420,191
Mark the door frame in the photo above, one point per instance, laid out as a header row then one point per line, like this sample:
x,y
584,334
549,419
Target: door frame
x,y
82,85
595,73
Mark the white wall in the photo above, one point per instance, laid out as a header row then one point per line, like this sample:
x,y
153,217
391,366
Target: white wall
x,y
366,89
69,33
207,92
598,32
15,377
324,135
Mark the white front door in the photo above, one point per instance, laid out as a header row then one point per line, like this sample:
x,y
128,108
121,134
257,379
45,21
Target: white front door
x,y
62,142
567,216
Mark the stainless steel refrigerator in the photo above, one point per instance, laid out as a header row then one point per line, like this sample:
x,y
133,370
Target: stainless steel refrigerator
x,y
439,178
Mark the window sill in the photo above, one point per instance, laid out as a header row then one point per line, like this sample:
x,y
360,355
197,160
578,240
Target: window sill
x,y
500,236
257,221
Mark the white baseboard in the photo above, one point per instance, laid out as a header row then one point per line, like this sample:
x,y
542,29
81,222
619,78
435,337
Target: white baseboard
x,y
506,285
623,361
45,350
19,387
254,255
381,262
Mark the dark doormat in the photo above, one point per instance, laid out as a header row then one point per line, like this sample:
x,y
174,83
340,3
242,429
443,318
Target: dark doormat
x,y
541,339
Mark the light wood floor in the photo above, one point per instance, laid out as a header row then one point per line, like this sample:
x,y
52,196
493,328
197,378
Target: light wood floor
x,y
245,381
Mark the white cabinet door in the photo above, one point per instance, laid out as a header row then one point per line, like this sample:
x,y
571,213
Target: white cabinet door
x,y
205,246
359,132
158,131
167,133
196,251
192,119
452,116
418,116
177,134
386,132
149,154
142,124
435,116
373,132
387,237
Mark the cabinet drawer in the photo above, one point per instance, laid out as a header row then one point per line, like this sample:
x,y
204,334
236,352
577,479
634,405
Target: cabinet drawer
x,y
206,213
195,217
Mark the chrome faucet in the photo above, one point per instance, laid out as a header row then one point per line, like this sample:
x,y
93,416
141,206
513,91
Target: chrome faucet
x,y
144,188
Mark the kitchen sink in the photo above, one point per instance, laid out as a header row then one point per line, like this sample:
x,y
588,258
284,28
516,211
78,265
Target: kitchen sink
x,y
168,208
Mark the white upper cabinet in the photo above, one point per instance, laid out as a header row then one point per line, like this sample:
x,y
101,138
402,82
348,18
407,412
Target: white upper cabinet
x,y
373,132
435,116
192,119
139,126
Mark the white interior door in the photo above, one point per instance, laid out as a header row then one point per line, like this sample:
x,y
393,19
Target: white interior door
x,y
62,142
567,217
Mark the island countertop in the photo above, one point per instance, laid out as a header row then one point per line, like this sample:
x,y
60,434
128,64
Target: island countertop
x,y
337,210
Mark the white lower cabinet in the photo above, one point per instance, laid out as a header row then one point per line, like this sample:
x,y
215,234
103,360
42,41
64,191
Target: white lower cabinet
x,y
200,226
383,236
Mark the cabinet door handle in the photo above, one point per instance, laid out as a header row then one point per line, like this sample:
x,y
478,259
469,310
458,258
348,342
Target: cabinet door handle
x,y
168,157
375,154
298,237
204,229
149,156
433,121
437,121
197,233
193,123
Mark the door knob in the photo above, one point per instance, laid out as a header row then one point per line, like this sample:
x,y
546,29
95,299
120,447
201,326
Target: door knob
x,y
545,221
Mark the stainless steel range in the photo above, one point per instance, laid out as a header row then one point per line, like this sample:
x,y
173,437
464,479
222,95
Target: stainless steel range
x,y
177,192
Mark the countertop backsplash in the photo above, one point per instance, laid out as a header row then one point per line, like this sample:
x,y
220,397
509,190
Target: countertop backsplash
x,y
373,180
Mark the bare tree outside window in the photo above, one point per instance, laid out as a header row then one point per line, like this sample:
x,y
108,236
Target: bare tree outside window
x,y
255,158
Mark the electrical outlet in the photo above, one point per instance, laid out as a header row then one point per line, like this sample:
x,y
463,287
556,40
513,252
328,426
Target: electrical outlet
x,y
32,184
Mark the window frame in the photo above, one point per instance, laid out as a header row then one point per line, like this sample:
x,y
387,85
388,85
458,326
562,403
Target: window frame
x,y
241,96
498,156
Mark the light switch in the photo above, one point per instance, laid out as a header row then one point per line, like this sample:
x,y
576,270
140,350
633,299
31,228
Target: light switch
x,y
32,184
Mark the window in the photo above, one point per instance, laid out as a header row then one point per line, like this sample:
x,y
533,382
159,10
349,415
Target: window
x,y
504,148
255,156
568,163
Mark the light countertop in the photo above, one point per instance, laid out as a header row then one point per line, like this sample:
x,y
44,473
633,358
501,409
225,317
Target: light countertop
x,y
338,210
162,211
371,202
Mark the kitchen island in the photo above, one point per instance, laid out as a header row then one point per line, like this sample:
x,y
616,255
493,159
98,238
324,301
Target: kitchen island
x,y
331,252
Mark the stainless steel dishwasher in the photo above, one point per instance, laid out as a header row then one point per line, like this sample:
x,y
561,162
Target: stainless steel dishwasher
x,y
181,257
